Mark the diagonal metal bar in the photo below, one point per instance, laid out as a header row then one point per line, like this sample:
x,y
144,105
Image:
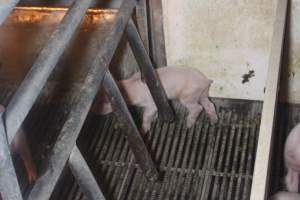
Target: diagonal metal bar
x,y
83,176
9,186
134,138
39,73
6,7
67,139
70,131
158,93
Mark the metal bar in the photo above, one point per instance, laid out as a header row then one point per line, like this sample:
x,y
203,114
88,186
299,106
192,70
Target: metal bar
x,y
142,23
67,138
9,186
263,155
36,78
84,176
158,93
156,32
6,7
133,136
70,131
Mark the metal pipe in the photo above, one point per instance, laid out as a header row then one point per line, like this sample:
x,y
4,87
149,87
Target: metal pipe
x,y
9,186
84,176
36,78
152,80
70,131
134,138
6,7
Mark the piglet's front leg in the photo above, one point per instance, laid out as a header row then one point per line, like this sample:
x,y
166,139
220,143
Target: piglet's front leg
x,y
149,114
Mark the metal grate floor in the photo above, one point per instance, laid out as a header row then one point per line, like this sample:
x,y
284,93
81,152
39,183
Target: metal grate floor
x,y
205,162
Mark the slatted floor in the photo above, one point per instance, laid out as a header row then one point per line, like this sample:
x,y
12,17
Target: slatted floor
x,y
205,162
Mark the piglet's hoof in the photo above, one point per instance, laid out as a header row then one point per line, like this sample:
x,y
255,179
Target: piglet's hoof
x,y
213,120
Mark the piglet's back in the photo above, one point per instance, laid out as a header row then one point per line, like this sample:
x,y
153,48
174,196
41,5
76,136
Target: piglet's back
x,y
176,80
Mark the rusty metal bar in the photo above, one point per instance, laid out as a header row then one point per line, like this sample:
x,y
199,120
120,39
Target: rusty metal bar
x,y
9,186
84,176
70,131
36,78
158,93
6,7
134,138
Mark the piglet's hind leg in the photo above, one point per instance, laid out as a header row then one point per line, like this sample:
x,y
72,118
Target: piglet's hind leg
x,y
193,112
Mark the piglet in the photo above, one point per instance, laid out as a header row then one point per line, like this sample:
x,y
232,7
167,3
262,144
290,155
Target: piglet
x,y
20,145
187,85
292,159
285,196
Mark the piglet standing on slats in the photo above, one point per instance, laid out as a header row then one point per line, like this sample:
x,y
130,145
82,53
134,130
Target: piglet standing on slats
x,y
187,85
20,145
285,196
292,159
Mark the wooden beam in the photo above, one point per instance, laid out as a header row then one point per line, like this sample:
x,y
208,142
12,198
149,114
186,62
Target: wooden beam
x,y
260,183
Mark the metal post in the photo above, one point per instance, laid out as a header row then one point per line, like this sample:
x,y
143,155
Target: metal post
x,y
158,93
84,176
37,77
134,138
6,7
70,131
9,186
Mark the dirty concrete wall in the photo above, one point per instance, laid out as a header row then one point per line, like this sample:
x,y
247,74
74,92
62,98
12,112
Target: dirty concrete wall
x,y
229,40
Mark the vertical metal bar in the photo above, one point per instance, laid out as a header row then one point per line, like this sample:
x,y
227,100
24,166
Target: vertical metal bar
x,y
142,23
9,186
134,138
84,176
6,7
36,78
156,32
158,93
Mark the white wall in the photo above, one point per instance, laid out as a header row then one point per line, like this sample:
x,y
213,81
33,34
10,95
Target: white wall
x,y
226,39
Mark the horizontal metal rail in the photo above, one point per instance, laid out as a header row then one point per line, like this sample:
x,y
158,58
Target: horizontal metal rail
x,y
70,131
6,7
147,70
83,176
